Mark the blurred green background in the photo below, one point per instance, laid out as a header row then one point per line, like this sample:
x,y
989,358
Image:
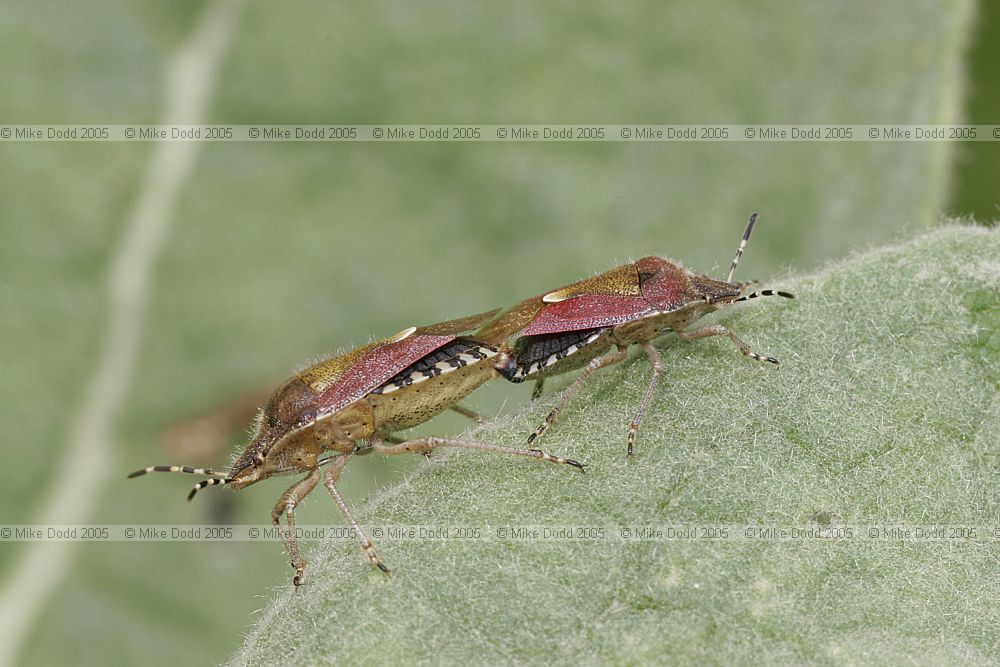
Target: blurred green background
x,y
280,253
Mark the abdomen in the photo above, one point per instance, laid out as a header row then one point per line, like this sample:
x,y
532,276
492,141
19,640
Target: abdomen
x,y
432,384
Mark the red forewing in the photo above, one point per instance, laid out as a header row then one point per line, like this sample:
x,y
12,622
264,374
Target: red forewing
x,y
376,367
590,311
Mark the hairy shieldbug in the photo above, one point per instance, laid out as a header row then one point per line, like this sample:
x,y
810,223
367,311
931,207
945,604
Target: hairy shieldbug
x,y
350,404
573,326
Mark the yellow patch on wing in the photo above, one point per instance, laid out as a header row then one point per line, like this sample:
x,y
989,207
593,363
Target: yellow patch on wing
x,y
402,335
622,281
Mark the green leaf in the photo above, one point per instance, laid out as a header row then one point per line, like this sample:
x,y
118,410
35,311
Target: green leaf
x,y
278,253
884,412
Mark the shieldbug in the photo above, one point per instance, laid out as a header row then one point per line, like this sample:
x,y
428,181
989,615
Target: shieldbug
x,y
573,326
351,404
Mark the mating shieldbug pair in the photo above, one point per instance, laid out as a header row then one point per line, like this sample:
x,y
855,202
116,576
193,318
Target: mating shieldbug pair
x,y
352,404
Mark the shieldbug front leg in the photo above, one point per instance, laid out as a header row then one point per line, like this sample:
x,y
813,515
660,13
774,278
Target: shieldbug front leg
x,y
330,481
286,505
719,330
423,445
574,389
536,393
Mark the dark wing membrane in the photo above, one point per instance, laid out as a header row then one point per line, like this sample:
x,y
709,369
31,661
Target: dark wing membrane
x,y
509,323
457,327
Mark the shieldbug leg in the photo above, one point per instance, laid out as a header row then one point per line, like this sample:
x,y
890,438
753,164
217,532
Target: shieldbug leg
x,y
536,393
330,481
574,389
429,443
657,363
719,330
391,439
466,412
286,505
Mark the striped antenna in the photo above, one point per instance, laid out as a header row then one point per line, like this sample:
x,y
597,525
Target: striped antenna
x,y
185,469
212,481
743,244
215,479
764,292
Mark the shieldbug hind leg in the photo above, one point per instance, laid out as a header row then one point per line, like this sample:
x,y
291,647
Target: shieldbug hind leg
x,y
422,445
469,413
574,389
330,481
